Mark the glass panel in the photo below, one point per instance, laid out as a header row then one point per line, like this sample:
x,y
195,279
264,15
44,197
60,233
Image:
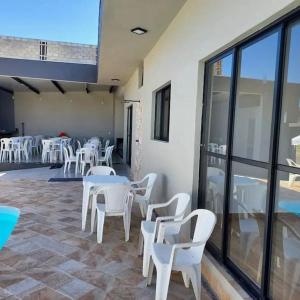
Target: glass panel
x,y
285,268
246,218
289,146
166,114
157,115
218,103
254,102
214,198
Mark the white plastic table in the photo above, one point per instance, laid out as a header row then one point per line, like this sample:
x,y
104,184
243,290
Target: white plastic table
x,y
93,181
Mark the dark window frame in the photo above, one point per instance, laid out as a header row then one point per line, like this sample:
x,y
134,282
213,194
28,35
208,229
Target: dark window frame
x,y
272,166
158,135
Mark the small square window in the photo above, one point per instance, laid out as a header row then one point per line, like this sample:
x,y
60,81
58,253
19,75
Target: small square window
x,y
162,114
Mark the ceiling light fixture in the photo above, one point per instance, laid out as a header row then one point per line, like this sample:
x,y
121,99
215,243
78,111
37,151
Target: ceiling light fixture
x,y
115,79
139,30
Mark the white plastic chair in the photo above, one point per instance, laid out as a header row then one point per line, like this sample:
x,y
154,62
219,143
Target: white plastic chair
x,y
68,160
118,202
6,150
183,257
86,157
292,176
107,158
47,152
101,170
142,191
23,151
149,228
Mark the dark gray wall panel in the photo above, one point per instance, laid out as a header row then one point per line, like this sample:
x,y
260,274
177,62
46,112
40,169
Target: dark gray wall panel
x,y
7,112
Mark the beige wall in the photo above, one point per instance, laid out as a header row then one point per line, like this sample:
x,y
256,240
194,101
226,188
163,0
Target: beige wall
x,y
76,113
200,30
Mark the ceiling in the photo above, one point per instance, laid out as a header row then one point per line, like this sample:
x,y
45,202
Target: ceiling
x,y
47,86
121,51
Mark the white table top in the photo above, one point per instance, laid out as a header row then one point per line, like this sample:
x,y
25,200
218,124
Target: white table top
x,y
96,179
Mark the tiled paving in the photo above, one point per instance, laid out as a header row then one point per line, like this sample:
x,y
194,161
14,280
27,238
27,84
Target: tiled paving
x,y
49,257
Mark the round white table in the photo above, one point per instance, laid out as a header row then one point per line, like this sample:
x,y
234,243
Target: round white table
x,y
93,181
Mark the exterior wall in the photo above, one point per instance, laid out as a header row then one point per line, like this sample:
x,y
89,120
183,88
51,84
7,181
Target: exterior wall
x,y
7,112
12,47
76,113
200,30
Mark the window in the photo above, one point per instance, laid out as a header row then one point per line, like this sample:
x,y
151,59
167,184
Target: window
x,y
162,114
43,50
250,159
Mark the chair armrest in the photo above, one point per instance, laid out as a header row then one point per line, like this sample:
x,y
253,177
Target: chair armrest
x,y
151,207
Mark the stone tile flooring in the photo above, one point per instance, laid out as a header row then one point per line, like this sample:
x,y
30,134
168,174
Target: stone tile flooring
x,y
49,257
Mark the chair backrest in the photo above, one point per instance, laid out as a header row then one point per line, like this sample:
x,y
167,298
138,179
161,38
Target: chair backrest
x,y
251,198
66,154
149,181
106,144
87,154
291,162
183,200
78,145
204,227
213,147
116,198
108,152
6,143
101,170
71,153
47,144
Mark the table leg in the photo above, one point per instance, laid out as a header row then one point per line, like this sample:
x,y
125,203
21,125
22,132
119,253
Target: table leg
x,y
85,204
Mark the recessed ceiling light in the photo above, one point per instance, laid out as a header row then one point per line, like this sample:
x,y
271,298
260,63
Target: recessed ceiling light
x,y
139,30
115,79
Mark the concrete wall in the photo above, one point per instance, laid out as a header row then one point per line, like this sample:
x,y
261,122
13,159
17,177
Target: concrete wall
x,y
200,30
13,47
76,113
7,112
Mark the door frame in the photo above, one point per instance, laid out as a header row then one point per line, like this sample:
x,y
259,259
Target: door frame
x,y
129,135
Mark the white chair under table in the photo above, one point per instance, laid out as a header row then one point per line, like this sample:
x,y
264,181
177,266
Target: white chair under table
x,y
142,191
90,183
118,202
183,257
149,228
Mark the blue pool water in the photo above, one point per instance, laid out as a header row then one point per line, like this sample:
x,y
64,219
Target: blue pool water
x,y
8,219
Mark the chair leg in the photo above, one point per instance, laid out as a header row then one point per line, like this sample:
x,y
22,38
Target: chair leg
x,y
142,209
126,226
65,167
150,272
100,224
93,214
162,282
147,255
141,242
195,276
186,280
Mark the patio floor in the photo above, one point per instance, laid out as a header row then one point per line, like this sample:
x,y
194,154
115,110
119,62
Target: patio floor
x,y
49,257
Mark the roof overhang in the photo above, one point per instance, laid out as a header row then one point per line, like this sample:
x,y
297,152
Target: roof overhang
x,y
120,50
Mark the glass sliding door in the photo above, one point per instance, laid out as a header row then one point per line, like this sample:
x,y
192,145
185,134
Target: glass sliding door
x,y
218,95
285,263
250,159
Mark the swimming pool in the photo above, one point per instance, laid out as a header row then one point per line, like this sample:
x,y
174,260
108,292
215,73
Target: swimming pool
x,y
8,219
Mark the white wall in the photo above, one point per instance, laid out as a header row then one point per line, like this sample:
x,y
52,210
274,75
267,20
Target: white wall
x,y
76,113
200,30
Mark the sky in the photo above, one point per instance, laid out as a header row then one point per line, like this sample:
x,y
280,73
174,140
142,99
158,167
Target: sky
x,y
73,21
259,59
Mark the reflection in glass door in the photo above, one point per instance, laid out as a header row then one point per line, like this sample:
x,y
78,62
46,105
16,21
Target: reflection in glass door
x,y
250,159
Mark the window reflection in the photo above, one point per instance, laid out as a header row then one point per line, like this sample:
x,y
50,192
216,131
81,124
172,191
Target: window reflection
x,y
289,147
218,101
285,272
215,195
246,216
254,99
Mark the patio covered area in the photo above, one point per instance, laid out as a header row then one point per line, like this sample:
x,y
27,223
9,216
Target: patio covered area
x,y
49,257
